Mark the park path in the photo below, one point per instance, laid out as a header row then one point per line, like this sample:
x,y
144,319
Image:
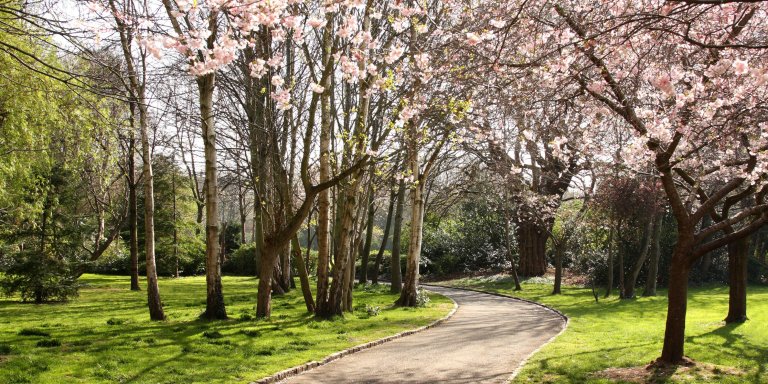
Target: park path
x,y
484,342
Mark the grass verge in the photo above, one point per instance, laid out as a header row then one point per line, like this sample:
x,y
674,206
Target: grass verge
x,y
609,341
105,336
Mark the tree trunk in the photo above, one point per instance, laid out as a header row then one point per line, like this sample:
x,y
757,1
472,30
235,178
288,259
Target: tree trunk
x,y
558,268
653,267
674,335
738,253
368,232
410,286
303,273
215,308
264,295
323,200
610,263
395,275
383,246
629,288
133,221
531,243
153,290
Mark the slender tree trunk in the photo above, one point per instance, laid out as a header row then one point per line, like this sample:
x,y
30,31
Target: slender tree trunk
x,y
215,308
629,288
383,246
738,253
323,200
653,267
559,250
395,275
303,274
153,290
368,232
620,252
175,223
133,222
609,287
410,286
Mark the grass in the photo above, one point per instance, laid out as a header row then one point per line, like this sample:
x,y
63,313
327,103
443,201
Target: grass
x,y
105,336
629,333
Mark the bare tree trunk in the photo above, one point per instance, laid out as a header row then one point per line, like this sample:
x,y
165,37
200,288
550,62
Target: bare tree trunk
x,y
153,290
323,200
303,274
653,268
368,231
395,275
559,250
215,308
609,286
674,336
133,222
738,253
531,241
383,246
629,288
410,286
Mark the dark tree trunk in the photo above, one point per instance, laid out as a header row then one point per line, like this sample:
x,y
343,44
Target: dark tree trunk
x,y
629,288
674,336
532,246
653,267
395,275
738,253
609,286
380,254
368,233
558,269
264,295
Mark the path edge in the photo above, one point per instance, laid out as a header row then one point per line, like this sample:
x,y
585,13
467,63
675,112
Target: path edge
x,y
299,369
523,362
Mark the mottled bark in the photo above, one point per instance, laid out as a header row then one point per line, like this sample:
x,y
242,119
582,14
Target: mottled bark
x,y
215,308
395,274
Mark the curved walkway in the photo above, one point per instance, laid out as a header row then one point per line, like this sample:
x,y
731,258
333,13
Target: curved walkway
x,y
484,342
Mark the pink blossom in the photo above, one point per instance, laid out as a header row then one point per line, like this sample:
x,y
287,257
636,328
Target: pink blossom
x,y
316,88
740,67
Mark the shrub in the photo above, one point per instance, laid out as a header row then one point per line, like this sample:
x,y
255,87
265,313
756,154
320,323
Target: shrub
x,y
33,332
422,298
48,343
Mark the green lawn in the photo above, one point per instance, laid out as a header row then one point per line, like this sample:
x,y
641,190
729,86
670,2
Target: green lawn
x,y
629,333
106,335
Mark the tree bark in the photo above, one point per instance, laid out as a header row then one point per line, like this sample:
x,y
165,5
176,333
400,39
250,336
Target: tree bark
x,y
531,244
395,275
558,269
410,286
215,308
264,295
653,267
629,288
674,335
133,222
303,273
368,232
609,286
738,253
383,246
153,289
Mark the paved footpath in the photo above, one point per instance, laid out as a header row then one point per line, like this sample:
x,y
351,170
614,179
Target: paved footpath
x,y
484,342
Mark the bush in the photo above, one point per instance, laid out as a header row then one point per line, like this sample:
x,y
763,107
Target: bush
x,y
48,343
422,298
33,332
242,261
38,277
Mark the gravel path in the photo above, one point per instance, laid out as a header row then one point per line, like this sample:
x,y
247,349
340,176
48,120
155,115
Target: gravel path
x,y
484,342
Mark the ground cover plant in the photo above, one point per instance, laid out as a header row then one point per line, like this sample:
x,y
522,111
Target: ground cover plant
x,y
105,336
627,335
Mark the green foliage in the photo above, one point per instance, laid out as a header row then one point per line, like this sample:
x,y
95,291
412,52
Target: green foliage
x,y
94,352
244,261
629,333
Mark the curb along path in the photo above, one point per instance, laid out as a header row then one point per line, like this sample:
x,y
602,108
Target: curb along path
x,y
484,342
